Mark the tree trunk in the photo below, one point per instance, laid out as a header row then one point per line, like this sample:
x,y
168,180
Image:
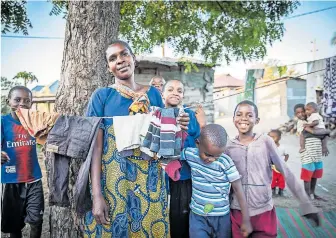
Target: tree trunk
x,y
91,25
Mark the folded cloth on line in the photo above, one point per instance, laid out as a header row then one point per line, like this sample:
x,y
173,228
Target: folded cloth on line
x,y
37,123
130,132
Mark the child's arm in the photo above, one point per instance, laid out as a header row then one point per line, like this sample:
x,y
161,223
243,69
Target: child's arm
x,y
306,207
312,124
246,227
325,151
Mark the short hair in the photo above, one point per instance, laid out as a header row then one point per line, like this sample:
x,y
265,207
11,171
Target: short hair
x,y
120,42
215,134
157,77
312,105
276,131
247,102
300,105
19,87
164,85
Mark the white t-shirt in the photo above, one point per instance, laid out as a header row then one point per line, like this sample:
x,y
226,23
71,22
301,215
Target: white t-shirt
x,y
282,153
299,126
316,117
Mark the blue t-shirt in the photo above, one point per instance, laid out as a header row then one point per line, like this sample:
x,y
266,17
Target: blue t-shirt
x,y
194,132
210,183
23,166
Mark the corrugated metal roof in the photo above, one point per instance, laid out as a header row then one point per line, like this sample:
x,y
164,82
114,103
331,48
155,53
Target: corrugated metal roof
x,y
37,88
226,80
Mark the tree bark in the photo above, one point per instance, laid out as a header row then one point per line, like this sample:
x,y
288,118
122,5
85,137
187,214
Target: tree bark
x,y
91,25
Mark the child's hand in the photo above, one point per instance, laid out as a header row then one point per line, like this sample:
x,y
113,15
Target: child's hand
x,y
200,116
4,157
183,120
313,217
325,151
246,228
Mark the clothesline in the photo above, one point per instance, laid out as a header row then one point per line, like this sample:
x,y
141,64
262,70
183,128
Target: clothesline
x,y
284,79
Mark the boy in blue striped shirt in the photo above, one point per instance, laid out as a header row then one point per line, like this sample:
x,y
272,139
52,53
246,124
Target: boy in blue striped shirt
x,y
212,174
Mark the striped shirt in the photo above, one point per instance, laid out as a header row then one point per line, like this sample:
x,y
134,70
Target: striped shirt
x,y
312,152
210,183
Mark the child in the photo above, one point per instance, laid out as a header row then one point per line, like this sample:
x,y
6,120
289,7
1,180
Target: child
x,y
253,155
311,156
278,180
180,191
313,127
22,200
212,173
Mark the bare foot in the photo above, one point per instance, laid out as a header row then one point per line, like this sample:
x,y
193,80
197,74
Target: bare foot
x,y
319,198
301,150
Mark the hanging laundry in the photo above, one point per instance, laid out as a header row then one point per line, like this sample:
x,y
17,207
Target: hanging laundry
x,y
329,86
71,137
130,132
166,138
164,135
37,123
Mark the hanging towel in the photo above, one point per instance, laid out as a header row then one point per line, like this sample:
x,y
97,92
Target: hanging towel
x,y
129,133
329,84
37,123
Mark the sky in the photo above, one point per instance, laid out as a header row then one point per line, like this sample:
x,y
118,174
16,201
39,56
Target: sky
x,y
43,57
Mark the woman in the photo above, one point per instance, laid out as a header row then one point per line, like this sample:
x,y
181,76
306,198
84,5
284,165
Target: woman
x,y
180,191
129,195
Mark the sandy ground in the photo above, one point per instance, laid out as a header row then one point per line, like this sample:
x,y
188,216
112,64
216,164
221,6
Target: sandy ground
x,y
326,186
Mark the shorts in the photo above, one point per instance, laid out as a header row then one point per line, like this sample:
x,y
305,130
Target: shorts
x,y
311,170
264,225
209,226
180,198
21,203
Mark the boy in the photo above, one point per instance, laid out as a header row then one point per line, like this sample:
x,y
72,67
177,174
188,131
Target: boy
x,y
22,200
212,172
311,156
252,154
278,180
313,126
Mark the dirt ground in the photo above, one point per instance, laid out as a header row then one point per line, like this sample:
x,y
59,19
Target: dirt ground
x,y
326,187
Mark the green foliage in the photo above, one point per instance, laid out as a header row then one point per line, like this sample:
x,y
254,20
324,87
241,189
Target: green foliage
x,y
26,76
59,7
6,85
216,30
14,17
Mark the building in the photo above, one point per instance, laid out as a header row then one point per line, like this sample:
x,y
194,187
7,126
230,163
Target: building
x,y
224,86
44,97
275,100
198,83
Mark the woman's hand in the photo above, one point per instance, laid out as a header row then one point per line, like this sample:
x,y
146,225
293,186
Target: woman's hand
x,y
183,120
100,210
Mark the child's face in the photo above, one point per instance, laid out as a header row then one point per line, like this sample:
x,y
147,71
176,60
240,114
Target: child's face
x,y
274,136
309,110
300,113
20,98
173,93
209,153
245,118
